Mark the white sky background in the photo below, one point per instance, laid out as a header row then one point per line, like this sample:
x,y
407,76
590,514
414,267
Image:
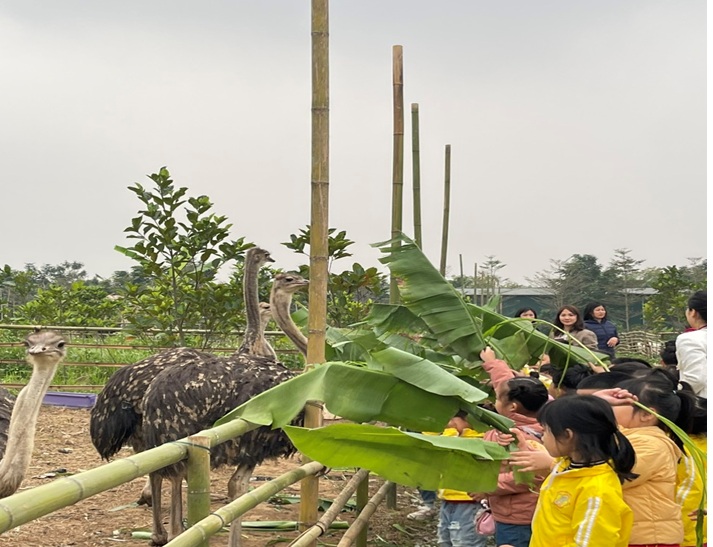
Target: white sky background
x,y
575,127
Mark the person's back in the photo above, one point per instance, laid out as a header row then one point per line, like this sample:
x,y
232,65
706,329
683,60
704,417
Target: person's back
x,y
652,496
519,398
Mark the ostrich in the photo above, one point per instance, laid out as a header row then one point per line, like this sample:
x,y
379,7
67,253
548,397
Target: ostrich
x,y
116,416
45,351
192,396
254,341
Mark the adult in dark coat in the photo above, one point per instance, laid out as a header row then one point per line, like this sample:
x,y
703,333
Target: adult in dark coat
x,y
595,319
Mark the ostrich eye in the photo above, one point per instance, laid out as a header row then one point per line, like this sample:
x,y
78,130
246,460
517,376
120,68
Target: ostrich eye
x,y
60,345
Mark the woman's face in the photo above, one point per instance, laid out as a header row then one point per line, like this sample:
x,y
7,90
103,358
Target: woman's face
x,y
599,312
528,314
567,318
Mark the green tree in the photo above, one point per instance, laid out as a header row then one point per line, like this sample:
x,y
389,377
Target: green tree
x,y
674,284
77,305
350,293
622,276
575,281
180,246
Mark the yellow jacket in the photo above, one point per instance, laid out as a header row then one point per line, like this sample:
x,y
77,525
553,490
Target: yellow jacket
x,y
689,493
652,496
582,507
457,495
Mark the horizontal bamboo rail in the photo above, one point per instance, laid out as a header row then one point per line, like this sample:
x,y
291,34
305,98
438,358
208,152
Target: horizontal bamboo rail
x,y
323,524
37,502
214,523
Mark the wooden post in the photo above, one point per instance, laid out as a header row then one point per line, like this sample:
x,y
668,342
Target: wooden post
x,y
362,500
397,174
446,210
319,228
198,478
397,185
416,174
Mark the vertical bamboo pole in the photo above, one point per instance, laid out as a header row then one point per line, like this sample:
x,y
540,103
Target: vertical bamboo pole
x,y
309,487
198,478
446,210
397,185
397,175
462,276
475,283
416,173
362,500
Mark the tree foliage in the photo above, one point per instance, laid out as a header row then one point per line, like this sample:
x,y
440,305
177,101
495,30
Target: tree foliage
x,y
350,293
673,284
180,245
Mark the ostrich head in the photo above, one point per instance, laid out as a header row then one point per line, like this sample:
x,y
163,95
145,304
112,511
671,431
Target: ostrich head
x,y
288,283
257,256
45,349
265,314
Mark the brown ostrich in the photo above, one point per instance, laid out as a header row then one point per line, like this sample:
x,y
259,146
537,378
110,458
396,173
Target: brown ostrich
x,y
45,351
116,416
192,396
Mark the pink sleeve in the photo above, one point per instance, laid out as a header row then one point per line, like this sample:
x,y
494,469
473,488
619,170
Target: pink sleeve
x,y
499,372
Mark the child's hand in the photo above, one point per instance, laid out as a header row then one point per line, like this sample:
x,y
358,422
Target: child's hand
x,y
504,439
596,368
538,461
487,354
616,396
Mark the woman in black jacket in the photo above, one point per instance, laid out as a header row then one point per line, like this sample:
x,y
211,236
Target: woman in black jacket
x,y
595,319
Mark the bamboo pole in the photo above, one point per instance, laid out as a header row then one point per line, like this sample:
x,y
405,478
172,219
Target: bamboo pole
x,y
198,478
416,173
462,276
330,514
397,175
319,230
397,182
37,502
362,500
363,519
215,522
446,211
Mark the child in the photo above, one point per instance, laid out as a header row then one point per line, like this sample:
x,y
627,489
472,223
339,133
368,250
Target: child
x,y
581,501
519,398
690,481
456,521
652,496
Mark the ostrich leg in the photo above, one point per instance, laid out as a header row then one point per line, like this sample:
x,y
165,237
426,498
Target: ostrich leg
x,y
237,486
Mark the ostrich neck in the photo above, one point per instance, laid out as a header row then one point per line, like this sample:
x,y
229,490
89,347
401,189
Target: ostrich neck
x,y
21,433
254,341
280,304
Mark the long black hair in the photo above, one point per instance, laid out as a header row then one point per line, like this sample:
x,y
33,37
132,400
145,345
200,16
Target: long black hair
x,y
595,432
660,391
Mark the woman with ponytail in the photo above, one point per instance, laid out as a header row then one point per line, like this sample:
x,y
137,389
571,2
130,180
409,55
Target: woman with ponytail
x,y
581,501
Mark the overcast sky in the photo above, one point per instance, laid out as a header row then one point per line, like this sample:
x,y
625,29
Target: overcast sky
x,y
575,127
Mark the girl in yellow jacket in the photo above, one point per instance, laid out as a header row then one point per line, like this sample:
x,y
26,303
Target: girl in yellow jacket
x,y
581,502
652,496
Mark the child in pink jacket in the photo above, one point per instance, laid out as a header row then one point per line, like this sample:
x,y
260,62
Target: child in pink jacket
x,y
518,398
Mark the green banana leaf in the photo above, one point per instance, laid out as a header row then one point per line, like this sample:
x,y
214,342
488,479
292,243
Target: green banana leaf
x,y
411,459
432,299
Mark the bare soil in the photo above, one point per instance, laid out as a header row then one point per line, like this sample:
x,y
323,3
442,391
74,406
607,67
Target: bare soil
x,y
63,446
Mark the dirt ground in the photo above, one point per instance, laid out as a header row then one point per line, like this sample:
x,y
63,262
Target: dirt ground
x,y
110,518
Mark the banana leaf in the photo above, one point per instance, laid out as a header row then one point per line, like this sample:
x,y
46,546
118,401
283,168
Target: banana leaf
x,y
355,393
429,462
432,299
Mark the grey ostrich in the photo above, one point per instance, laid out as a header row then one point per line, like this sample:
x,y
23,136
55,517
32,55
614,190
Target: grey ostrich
x,y
45,351
192,396
116,416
